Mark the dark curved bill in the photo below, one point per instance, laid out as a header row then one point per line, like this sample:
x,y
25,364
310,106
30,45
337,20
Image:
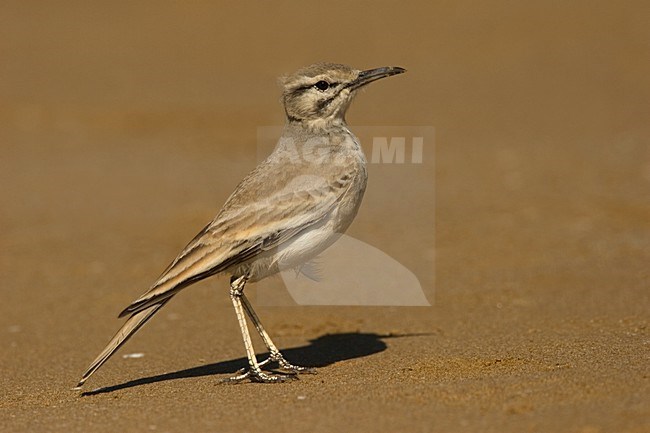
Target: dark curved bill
x,y
371,75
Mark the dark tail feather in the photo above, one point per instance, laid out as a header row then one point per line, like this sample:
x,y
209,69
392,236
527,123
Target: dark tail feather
x,y
132,324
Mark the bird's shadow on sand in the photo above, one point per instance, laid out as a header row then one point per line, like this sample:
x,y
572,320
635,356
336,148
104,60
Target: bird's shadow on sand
x,y
320,352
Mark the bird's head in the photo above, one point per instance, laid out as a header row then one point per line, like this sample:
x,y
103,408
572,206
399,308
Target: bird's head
x,y
319,95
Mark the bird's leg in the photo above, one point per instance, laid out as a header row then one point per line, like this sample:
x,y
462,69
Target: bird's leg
x,y
274,353
254,372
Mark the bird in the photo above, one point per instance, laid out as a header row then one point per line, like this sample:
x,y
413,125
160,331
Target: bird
x,y
290,208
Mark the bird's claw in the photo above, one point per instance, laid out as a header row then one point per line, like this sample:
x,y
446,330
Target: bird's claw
x,y
287,371
285,365
257,375
295,369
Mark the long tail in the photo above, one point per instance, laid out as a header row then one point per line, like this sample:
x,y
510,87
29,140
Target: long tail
x,y
132,324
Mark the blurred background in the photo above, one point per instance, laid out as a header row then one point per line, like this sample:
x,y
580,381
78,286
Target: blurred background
x,y
124,127
152,109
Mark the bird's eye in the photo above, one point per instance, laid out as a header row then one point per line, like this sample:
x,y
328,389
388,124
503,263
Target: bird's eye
x,y
322,85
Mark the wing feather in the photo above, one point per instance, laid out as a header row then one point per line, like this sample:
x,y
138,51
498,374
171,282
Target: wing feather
x,y
238,235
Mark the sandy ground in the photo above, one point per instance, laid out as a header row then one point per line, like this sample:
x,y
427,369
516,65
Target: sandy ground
x,y
124,128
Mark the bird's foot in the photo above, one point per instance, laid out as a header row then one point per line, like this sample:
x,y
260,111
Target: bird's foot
x,y
257,375
285,365
286,371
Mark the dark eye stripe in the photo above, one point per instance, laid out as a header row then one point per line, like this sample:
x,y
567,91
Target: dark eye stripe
x,y
311,86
